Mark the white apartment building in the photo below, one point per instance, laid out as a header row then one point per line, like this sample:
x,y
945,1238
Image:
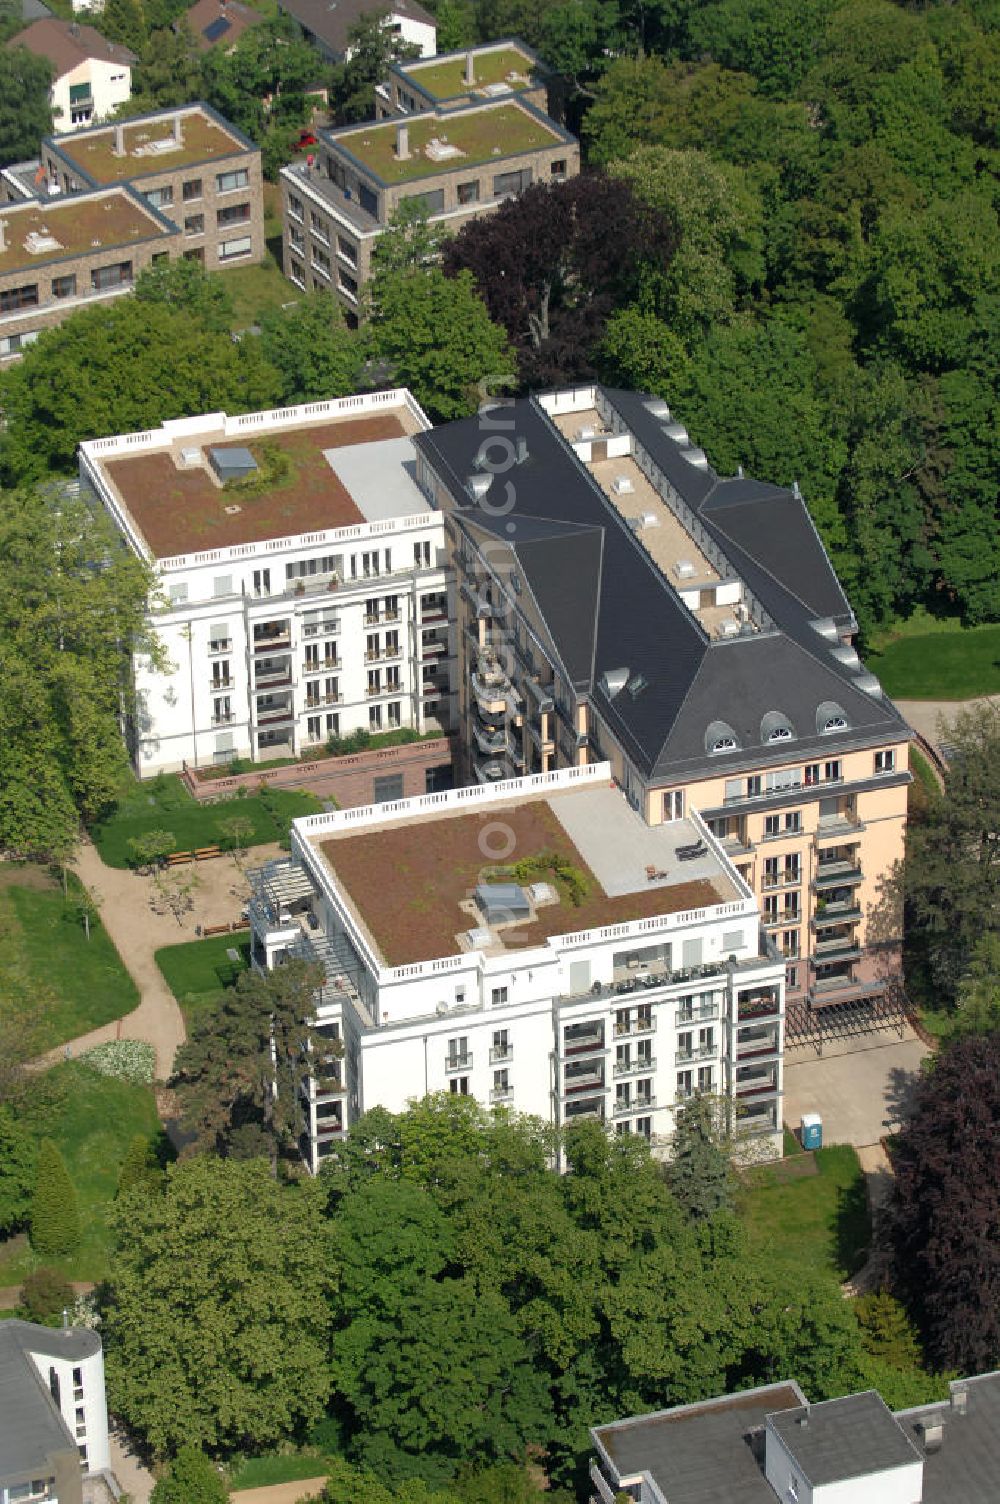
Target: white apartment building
x,y
303,591
53,1415
91,76
444,973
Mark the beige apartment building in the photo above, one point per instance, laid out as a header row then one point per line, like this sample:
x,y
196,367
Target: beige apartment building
x,y
65,253
455,159
199,171
620,601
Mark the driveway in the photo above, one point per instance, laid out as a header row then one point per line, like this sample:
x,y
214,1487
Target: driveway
x,y
860,1093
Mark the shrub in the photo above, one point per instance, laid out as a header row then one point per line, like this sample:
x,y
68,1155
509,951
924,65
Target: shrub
x,y
125,1059
55,1217
45,1294
139,1167
192,1479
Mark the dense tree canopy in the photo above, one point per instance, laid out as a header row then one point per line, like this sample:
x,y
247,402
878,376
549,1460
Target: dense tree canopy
x,y
946,1207
25,108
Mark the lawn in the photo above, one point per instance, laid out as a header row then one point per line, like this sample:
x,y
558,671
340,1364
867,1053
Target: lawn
x,y
261,1472
68,983
817,1222
198,971
256,289
165,804
93,1120
927,658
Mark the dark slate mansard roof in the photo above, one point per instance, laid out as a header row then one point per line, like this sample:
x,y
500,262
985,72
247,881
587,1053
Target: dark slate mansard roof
x,y
611,608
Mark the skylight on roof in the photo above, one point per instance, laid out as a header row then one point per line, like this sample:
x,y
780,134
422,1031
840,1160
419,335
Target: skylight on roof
x,y
636,685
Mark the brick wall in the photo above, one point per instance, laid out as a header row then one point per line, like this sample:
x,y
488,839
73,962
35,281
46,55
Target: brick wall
x,y
349,780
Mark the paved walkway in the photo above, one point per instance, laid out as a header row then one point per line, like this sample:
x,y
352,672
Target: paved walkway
x,y
926,716
282,1493
861,1090
138,932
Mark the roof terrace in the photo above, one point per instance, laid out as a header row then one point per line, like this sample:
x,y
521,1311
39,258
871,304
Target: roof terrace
x,y
35,234
443,142
410,881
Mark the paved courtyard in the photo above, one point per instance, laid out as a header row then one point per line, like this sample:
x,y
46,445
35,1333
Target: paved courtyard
x,y
860,1091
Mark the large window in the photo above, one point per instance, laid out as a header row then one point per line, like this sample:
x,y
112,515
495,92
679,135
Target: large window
x,y
64,287
468,193
194,224
431,202
19,297
228,182
367,199
235,214
507,183
229,250
191,190
160,197
116,275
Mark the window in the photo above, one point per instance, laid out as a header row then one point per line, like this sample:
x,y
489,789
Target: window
x,y
783,778
222,711
468,193
119,274
393,712
194,224
314,731
706,1078
780,734
233,214
348,251
685,1083
80,94
10,344
644,1126
296,272
507,183
832,771
222,584
772,825
220,673
753,786
333,725
498,996
885,762
501,1045
793,822
673,804
64,287
771,909
319,227
294,206
78,1378
178,594
792,976
458,1053
375,718
160,198
431,202
374,681
422,555
230,250
459,1086
19,297
191,190
228,182
790,943
368,200
811,774
724,744
347,283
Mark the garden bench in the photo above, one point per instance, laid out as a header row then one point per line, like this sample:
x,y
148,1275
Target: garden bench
x,y
204,853
175,858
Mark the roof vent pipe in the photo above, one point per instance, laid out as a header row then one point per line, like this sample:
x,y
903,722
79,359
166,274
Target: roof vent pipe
x,y
470,69
118,148
3,236
960,1399
521,449
402,143
179,130
795,490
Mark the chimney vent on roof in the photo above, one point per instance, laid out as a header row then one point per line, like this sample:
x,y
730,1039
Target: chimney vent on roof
x,y
803,1419
3,236
470,69
959,1399
118,148
521,450
932,1434
402,142
179,130
795,490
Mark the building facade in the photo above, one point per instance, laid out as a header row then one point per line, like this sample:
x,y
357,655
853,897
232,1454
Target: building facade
x,y
617,600
194,167
456,161
614,1004
91,76
304,593
62,254
54,1418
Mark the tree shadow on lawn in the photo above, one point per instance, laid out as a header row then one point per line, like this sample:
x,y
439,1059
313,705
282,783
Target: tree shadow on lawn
x,y
852,1229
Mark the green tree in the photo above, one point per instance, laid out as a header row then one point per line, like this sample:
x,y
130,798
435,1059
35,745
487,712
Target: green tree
x,y
55,1217
263,79
719,259
777,41
116,368
72,603
25,106
139,1168
641,352
314,353
238,1073
17,1172
411,241
373,47
437,338
124,21
151,849
45,1294
170,69
192,1478
700,1172
219,1322
185,286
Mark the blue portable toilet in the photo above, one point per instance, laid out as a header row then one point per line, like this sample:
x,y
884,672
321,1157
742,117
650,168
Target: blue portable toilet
x,y
811,1129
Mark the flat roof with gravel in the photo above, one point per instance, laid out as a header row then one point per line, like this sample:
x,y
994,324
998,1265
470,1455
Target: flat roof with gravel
x,y
412,882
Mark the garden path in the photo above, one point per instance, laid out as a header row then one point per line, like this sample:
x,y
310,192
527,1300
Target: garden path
x,y
124,899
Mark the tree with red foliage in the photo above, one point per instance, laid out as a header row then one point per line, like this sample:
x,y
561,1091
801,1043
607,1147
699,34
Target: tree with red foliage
x,y
945,1211
553,263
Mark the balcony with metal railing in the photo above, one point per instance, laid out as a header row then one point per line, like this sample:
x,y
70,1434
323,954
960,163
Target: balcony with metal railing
x,y
329,664
501,1054
697,1052
639,1067
627,1106
843,871
501,1094
455,1063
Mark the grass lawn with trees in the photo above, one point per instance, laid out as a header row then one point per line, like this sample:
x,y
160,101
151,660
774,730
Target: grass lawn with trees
x,y
50,970
256,289
93,1120
927,658
165,804
197,971
818,1222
